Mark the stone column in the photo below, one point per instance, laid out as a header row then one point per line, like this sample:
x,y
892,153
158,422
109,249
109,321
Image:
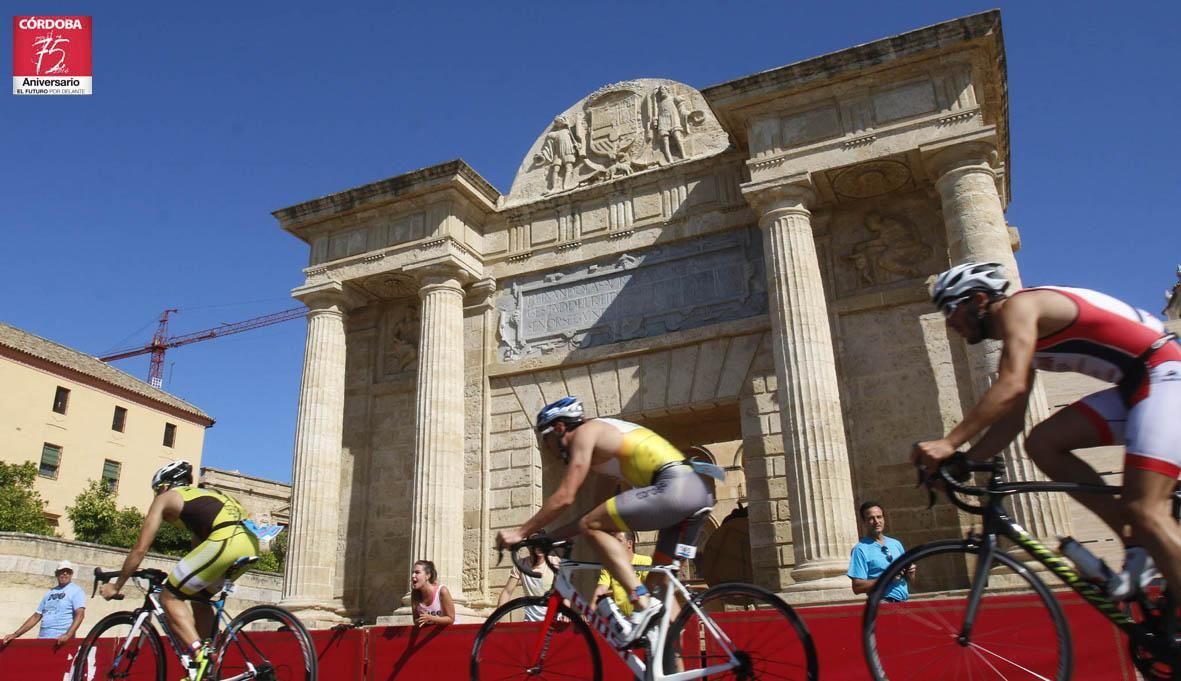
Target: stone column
x,y
309,582
436,530
974,216
819,482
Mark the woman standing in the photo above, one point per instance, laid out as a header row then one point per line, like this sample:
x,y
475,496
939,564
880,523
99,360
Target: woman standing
x,y
429,600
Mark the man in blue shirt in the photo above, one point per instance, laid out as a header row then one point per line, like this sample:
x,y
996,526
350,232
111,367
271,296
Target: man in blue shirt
x,y
874,553
61,609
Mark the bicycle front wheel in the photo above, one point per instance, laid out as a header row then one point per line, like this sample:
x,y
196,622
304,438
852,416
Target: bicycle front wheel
x,y
268,643
111,651
507,647
954,626
767,639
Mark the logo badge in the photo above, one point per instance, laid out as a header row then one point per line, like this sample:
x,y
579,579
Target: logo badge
x,y
51,56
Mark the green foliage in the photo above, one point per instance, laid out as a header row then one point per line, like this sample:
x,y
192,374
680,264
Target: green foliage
x,y
172,541
276,560
21,507
96,517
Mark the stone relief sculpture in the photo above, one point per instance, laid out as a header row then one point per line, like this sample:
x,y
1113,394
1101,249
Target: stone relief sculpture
x,y
559,153
401,339
894,251
671,123
617,131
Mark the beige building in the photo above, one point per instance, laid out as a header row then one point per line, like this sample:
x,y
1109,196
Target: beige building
x,y
80,419
743,267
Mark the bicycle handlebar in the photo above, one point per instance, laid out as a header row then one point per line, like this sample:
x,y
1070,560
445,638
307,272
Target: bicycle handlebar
x,y
101,576
541,541
958,469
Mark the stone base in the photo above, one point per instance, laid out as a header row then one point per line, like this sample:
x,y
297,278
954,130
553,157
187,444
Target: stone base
x,y
826,591
402,617
316,614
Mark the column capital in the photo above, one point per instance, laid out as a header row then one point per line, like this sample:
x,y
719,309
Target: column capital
x,y
480,293
773,199
976,149
327,295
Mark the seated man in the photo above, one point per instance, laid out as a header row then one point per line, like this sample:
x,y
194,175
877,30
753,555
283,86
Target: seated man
x,y
608,586
219,538
666,494
1069,329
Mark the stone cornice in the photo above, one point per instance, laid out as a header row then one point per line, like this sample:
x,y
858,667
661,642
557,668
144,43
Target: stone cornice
x,y
854,60
454,174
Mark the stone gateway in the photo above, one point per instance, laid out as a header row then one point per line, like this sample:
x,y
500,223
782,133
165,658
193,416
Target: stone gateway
x,y
743,269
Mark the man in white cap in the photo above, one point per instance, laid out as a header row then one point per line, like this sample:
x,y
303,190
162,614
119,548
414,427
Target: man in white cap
x,y
60,611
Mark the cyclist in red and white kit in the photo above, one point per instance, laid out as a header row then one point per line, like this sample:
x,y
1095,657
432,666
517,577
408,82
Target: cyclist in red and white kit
x,y
1071,329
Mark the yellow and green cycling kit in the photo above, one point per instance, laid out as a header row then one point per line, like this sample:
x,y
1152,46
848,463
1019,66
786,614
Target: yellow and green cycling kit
x,y
216,519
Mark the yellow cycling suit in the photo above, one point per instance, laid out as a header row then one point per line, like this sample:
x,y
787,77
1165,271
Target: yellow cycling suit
x,y
216,519
666,490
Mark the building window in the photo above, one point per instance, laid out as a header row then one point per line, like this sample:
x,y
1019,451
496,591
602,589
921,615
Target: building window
x,y
111,474
51,461
61,399
169,434
120,419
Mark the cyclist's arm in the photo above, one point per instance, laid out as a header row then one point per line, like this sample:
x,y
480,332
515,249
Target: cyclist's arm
x,y
509,587
581,449
1002,432
147,534
1014,378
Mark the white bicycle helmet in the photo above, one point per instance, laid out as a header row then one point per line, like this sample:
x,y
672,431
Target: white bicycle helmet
x,y
173,474
568,409
960,281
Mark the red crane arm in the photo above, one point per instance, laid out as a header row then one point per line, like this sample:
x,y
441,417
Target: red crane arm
x,y
158,344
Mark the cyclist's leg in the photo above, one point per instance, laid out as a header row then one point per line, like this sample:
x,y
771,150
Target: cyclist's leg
x,y
201,571
1152,466
597,527
1094,421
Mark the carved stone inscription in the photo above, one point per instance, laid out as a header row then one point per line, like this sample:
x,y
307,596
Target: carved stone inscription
x,y
658,290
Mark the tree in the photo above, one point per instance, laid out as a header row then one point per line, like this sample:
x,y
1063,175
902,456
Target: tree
x,y
21,508
96,517
276,560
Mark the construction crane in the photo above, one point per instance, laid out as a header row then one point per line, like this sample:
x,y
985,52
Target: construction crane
x,y
161,342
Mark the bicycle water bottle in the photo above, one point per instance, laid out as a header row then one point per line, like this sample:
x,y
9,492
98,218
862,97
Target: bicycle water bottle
x,y
1091,566
616,622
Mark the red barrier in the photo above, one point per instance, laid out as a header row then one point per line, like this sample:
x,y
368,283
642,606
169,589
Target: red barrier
x,y
409,653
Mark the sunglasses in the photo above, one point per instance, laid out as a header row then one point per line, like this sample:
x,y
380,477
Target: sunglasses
x,y
949,308
886,550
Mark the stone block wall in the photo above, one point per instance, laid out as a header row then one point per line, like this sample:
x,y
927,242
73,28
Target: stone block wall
x,y
27,563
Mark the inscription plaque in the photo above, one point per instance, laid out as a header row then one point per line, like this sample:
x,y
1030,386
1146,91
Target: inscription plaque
x,y
635,295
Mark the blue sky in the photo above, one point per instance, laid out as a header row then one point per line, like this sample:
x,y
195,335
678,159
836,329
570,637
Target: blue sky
x,y
156,191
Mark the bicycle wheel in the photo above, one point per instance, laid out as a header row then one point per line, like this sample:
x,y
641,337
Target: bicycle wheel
x,y
1018,630
767,637
508,647
268,643
109,653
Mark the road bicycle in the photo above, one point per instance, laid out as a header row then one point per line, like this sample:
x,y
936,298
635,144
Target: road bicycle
x,y
981,625
730,631
264,642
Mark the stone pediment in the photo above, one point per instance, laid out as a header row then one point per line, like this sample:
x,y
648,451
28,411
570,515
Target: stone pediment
x,y
617,131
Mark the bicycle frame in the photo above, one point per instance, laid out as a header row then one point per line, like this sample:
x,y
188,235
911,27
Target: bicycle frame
x,y
152,608
998,522
564,589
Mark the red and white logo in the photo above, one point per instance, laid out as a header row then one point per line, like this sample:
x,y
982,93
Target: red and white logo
x,y
51,56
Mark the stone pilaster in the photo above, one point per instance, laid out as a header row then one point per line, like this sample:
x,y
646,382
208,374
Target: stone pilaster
x,y
309,582
819,482
974,216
